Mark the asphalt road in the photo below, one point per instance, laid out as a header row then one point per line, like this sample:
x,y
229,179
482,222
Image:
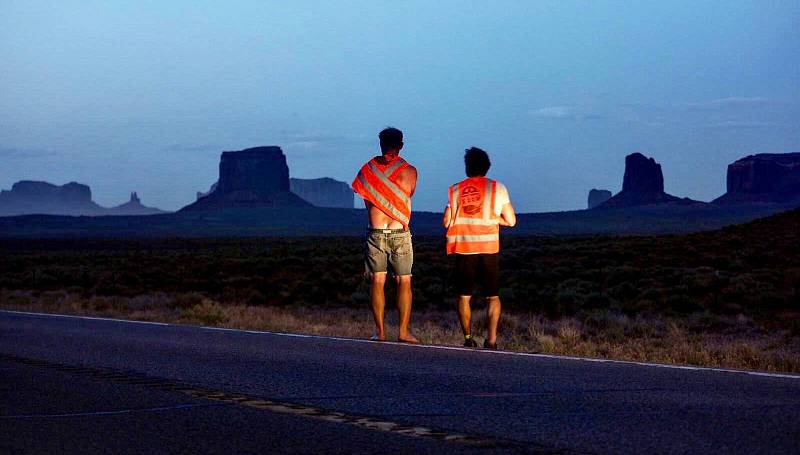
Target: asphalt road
x,y
73,385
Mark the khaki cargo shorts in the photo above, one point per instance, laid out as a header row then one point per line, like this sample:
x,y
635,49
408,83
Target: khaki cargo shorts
x,y
388,250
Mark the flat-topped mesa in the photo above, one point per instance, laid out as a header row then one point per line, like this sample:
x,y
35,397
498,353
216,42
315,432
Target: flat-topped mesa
x,y
597,197
254,177
70,193
643,184
28,197
260,170
323,192
766,177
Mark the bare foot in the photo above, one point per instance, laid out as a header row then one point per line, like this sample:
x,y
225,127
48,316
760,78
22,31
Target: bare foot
x,y
378,338
408,339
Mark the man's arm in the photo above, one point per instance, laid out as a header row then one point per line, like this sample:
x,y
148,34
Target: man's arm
x,y
408,179
446,218
508,217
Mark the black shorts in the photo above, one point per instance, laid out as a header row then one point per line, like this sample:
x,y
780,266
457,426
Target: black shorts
x,y
477,271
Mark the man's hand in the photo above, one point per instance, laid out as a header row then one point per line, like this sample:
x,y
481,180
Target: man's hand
x,y
508,217
447,218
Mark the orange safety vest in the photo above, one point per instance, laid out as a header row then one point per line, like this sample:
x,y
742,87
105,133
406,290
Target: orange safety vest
x,y
377,183
474,227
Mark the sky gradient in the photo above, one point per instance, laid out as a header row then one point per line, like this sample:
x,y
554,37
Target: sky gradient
x,y
144,96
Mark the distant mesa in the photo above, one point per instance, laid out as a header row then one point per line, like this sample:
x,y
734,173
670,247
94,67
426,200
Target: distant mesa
x,y
248,186
597,197
323,192
643,184
766,177
254,177
133,207
28,197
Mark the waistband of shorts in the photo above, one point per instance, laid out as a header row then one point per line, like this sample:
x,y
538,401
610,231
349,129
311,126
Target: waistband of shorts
x,y
385,231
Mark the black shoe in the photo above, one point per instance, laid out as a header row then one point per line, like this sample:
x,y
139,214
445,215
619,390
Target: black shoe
x,y
470,343
487,345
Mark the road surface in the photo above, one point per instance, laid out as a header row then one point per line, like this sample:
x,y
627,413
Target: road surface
x,y
83,385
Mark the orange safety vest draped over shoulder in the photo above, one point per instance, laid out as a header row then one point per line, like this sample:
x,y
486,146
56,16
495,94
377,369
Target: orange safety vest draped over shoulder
x,y
474,226
377,183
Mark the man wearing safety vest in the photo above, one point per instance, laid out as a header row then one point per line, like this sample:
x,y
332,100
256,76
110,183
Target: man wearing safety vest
x,y
387,183
477,207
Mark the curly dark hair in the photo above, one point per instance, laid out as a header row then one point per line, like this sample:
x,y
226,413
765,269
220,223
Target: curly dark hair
x,y
476,162
391,139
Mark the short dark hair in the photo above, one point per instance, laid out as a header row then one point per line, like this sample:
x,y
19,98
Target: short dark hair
x,y
391,139
476,162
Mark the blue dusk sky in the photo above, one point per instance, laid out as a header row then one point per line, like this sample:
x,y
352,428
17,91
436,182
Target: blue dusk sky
x,y
144,95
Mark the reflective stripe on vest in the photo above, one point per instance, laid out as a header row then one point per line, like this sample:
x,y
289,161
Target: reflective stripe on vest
x,y
380,188
474,227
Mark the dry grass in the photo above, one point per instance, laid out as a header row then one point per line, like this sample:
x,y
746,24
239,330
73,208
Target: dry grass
x,y
606,335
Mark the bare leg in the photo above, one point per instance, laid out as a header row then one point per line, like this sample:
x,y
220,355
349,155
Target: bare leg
x,y
492,317
378,301
404,308
465,314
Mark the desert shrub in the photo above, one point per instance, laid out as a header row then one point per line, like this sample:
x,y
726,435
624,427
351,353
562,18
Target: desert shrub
x,y
188,299
507,295
606,325
51,298
106,303
579,286
208,312
650,294
555,276
360,297
681,304
771,300
546,344
15,299
569,333
597,300
617,275
567,302
706,321
635,307
642,328
149,302
794,328
255,297
701,280
623,291
740,285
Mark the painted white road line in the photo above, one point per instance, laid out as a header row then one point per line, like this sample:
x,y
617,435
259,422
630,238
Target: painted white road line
x,y
422,346
72,316
110,413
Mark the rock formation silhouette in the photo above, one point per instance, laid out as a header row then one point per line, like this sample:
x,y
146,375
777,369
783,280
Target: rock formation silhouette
x,y
323,192
133,207
28,197
643,184
34,197
766,177
254,177
206,193
597,197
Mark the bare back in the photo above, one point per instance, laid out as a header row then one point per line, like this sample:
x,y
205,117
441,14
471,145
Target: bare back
x,y
407,180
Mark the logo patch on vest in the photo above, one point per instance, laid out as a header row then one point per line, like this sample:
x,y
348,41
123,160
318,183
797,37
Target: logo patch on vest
x,y
471,200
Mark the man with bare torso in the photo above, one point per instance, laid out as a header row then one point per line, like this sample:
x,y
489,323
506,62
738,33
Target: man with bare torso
x,y
386,183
